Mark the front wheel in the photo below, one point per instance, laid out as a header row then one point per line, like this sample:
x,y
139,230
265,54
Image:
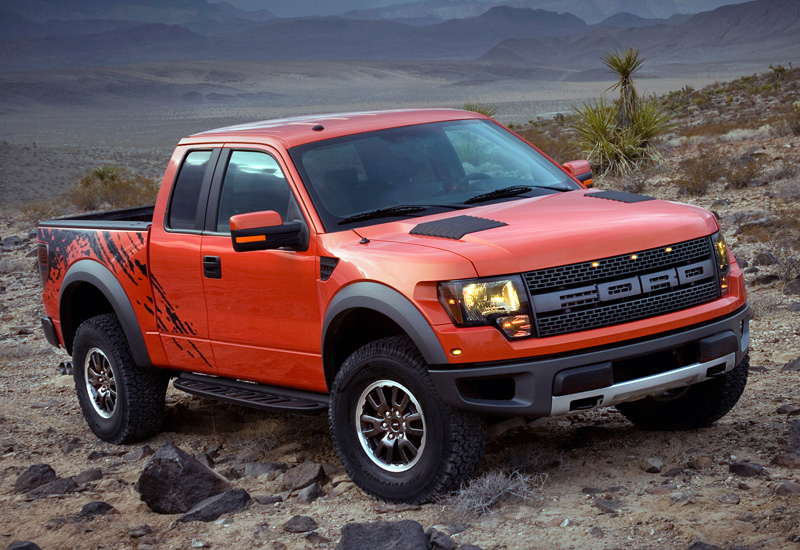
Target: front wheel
x,y
121,402
396,438
696,406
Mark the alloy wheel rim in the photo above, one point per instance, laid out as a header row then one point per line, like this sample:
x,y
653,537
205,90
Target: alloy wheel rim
x,y
101,385
391,426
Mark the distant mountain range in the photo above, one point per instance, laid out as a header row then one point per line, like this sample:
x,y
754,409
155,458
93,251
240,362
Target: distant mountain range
x,y
591,11
763,30
109,32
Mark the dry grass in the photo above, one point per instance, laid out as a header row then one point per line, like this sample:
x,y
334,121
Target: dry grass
x,y
493,489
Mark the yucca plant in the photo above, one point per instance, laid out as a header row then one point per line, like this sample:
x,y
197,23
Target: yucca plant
x,y
617,136
624,64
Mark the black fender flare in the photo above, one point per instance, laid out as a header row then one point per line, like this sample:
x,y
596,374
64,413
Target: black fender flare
x,y
386,301
100,277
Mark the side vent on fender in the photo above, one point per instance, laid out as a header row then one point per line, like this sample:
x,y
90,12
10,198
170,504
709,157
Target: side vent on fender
x,y
326,267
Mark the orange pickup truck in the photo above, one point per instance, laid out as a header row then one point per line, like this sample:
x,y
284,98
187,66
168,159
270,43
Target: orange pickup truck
x,y
412,273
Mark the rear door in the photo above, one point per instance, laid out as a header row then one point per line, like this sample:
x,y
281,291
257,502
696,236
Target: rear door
x,y
176,268
263,309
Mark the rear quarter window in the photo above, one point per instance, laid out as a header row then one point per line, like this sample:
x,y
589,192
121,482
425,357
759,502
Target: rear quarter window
x,y
183,205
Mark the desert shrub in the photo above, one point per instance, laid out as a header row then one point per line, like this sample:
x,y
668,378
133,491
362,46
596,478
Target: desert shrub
x,y
482,108
492,489
788,261
620,150
790,121
763,305
112,187
741,172
696,174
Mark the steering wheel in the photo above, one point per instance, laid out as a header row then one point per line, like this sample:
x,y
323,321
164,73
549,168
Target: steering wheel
x,y
463,183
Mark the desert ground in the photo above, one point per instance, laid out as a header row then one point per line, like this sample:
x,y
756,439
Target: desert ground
x,y
589,481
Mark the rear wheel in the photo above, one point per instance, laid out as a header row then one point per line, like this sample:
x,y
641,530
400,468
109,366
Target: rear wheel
x,y
396,438
121,402
696,406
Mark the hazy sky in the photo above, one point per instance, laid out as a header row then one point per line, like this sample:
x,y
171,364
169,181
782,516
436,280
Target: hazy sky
x,y
298,8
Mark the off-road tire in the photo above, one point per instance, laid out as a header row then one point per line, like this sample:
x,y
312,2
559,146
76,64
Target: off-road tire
x,y
699,406
454,439
138,410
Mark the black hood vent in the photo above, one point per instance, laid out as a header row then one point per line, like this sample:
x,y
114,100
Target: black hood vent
x,y
456,227
619,196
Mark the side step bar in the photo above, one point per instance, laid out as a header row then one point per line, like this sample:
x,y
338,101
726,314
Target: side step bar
x,y
249,394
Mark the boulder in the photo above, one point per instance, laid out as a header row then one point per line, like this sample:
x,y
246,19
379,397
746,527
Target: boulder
x,y
746,469
96,508
439,541
310,494
302,476
33,477
212,508
791,366
386,535
60,486
792,287
173,482
301,524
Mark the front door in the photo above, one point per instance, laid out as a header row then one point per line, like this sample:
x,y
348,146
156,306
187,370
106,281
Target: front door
x,y
263,309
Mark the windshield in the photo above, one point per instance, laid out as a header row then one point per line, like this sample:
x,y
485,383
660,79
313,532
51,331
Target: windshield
x,y
419,170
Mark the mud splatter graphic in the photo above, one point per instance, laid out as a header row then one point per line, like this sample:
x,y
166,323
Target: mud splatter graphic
x,y
125,254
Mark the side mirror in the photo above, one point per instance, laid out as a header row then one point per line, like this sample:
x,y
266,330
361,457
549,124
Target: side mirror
x,y
266,231
581,170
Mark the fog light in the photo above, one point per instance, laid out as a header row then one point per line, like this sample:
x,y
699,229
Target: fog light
x,y
515,326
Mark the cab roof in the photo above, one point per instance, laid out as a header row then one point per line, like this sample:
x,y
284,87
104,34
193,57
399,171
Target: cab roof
x,y
306,129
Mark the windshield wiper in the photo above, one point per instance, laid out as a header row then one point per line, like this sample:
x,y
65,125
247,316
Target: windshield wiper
x,y
399,209
512,191
499,193
383,212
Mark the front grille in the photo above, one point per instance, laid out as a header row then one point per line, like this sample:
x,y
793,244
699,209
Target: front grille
x,y
621,289
617,267
624,312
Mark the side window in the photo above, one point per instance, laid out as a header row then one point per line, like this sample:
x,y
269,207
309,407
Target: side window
x,y
254,182
186,194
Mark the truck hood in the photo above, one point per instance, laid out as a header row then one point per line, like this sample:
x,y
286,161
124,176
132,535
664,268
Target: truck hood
x,y
563,228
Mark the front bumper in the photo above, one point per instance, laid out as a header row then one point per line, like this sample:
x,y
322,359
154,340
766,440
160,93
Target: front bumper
x,y
555,385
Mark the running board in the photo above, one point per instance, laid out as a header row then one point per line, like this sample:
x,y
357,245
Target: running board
x,y
250,394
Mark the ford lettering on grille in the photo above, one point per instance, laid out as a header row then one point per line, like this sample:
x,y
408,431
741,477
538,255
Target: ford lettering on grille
x,y
625,288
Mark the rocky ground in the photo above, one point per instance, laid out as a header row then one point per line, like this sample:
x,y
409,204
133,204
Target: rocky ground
x,y
586,481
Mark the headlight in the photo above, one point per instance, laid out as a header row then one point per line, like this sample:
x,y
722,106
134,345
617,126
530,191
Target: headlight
x,y
500,302
723,260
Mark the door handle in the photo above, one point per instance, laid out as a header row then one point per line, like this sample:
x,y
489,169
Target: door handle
x,y
212,267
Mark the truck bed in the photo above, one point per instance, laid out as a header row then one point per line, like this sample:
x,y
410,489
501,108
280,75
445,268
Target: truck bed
x,y
136,219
